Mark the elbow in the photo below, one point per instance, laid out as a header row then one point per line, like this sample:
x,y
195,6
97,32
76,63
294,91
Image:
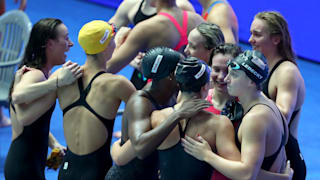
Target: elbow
x,y
16,98
140,150
118,161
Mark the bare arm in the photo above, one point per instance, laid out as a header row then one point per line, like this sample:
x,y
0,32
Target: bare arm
x,y
121,155
137,40
33,83
225,140
287,91
252,151
120,18
221,16
145,139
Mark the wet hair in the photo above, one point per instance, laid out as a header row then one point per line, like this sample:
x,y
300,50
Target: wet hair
x,y
227,48
42,31
212,33
192,74
35,53
277,25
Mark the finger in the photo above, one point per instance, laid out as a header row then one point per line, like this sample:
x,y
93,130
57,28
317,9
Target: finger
x,y
79,75
66,63
191,141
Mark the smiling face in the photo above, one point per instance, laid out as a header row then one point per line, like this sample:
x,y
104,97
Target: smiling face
x,y
196,48
260,38
61,44
219,72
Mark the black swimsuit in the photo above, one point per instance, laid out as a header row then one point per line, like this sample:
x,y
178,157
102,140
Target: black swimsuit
x,y
267,161
292,146
137,168
93,165
27,155
175,163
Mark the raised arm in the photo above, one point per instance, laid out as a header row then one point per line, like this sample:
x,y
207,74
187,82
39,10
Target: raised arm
x,y
33,83
222,16
121,18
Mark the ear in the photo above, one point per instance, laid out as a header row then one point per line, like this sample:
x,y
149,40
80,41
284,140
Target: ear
x,y
50,43
275,39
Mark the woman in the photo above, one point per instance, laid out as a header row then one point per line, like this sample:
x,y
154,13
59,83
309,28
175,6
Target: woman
x,y
90,106
33,97
285,84
193,77
263,131
202,40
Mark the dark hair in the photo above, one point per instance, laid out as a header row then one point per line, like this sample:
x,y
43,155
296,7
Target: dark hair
x,y
212,33
227,48
35,53
42,31
277,25
192,74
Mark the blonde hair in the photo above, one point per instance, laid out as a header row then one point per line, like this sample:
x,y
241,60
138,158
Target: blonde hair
x,y
277,25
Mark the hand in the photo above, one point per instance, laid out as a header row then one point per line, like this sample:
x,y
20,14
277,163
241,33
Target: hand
x,y
20,72
197,149
288,170
192,107
62,149
121,36
69,73
136,62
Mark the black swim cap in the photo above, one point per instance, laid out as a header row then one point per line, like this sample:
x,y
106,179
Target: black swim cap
x,y
191,74
159,62
253,63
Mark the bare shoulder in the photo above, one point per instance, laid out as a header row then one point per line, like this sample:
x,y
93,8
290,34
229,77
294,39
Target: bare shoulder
x,y
34,75
287,69
257,117
158,116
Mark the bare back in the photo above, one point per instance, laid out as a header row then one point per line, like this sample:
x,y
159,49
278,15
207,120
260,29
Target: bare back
x,y
84,131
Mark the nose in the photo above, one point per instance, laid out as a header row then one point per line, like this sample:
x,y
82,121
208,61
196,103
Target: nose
x,y
251,40
70,43
222,76
226,79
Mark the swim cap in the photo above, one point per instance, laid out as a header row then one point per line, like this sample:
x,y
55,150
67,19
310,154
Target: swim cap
x,y
253,63
191,74
159,62
95,36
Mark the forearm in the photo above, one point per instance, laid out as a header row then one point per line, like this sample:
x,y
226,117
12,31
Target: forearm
x,y
229,168
52,141
122,155
32,92
147,142
267,175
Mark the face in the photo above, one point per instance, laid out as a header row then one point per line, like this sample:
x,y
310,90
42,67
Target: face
x,y
61,44
260,38
196,46
219,72
237,82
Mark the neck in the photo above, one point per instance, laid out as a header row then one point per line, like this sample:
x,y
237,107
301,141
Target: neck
x,y
47,69
161,93
219,98
249,99
95,64
272,59
166,5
